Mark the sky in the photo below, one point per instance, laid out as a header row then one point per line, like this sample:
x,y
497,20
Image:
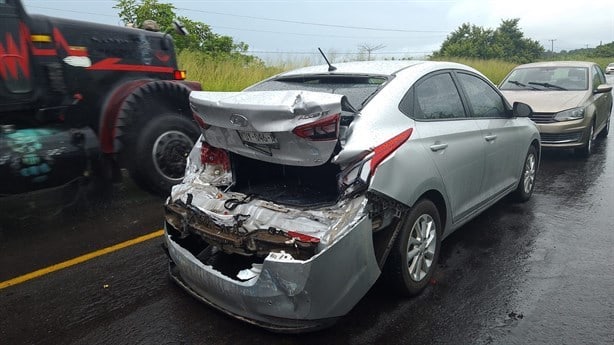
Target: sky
x,y
282,30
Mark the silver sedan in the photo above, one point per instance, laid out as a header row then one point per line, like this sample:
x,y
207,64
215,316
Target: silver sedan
x,y
308,186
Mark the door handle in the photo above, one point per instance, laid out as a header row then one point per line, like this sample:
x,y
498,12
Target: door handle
x,y
490,137
438,147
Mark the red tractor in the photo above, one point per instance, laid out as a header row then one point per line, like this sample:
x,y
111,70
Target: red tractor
x,y
79,98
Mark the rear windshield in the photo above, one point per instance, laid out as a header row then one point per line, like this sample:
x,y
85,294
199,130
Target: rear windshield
x,y
357,89
547,78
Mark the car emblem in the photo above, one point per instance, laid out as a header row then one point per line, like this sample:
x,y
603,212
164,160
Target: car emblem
x,y
239,120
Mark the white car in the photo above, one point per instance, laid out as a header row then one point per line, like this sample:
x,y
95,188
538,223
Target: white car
x,y
609,68
307,186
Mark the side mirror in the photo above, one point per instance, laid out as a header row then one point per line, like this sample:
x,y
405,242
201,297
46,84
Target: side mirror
x,y
520,109
603,88
179,28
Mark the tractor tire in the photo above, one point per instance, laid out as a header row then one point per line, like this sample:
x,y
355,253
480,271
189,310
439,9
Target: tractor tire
x,y
156,132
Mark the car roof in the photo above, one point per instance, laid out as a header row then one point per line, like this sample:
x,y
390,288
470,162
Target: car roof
x,y
558,64
384,68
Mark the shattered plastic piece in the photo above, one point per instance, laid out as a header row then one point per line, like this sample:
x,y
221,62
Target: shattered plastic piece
x,y
281,256
250,273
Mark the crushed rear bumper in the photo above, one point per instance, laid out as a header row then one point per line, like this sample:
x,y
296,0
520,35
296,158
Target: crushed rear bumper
x,y
288,295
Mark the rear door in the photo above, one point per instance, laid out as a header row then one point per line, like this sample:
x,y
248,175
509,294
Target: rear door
x,y
16,73
502,135
453,140
294,127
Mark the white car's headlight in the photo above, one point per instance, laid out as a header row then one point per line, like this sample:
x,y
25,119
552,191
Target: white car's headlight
x,y
570,114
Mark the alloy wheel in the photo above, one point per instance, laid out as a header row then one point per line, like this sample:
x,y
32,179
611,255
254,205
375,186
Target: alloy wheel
x,y
421,247
530,168
169,154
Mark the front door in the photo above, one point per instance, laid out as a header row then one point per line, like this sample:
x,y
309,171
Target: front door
x,y
500,133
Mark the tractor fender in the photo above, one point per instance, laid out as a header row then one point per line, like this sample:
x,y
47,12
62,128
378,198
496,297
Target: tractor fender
x,y
122,101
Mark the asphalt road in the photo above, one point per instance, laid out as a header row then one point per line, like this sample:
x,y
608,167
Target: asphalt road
x,y
535,273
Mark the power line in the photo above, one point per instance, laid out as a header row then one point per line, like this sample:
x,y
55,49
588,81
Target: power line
x,y
317,53
310,23
273,32
316,35
272,19
73,11
261,18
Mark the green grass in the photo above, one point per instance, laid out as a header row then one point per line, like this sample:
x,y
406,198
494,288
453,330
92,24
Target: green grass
x,y
235,75
495,70
224,75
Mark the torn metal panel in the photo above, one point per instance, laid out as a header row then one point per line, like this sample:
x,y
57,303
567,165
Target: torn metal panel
x,y
325,223
235,238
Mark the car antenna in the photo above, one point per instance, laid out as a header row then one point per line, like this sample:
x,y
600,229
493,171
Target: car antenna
x,y
330,67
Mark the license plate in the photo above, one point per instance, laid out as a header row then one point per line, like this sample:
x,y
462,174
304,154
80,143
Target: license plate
x,y
261,138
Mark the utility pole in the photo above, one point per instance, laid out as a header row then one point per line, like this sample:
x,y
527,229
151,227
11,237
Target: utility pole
x,y
552,45
370,48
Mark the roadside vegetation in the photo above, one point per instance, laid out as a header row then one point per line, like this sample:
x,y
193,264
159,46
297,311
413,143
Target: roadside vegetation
x,y
220,63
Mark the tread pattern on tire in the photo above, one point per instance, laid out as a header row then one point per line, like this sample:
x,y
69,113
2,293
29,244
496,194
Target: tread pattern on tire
x,y
138,109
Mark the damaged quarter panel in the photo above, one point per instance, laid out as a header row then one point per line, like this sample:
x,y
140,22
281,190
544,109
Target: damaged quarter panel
x,y
383,113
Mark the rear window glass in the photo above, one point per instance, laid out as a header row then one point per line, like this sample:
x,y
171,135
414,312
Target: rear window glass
x,y
357,89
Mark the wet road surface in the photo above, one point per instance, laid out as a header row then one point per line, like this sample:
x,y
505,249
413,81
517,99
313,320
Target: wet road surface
x,y
538,273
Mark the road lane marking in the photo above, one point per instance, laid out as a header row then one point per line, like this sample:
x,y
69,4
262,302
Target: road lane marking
x,y
79,259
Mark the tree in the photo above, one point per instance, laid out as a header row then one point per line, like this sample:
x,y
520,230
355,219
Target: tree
x,y
199,38
604,50
507,42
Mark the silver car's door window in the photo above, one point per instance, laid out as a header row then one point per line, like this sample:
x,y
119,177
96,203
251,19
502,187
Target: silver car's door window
x,y
437,98
483,100
500,134
452,139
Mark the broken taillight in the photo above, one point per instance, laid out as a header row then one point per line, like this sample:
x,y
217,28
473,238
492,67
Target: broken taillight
x,y
200,121
384,150
321,130
356,177
213,156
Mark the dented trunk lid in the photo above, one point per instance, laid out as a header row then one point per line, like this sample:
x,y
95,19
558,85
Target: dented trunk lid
x,y
290,127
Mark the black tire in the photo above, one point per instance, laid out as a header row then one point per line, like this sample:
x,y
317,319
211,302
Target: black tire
x,y
157,132
586,150
525,187
423,226
161,152
604,132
